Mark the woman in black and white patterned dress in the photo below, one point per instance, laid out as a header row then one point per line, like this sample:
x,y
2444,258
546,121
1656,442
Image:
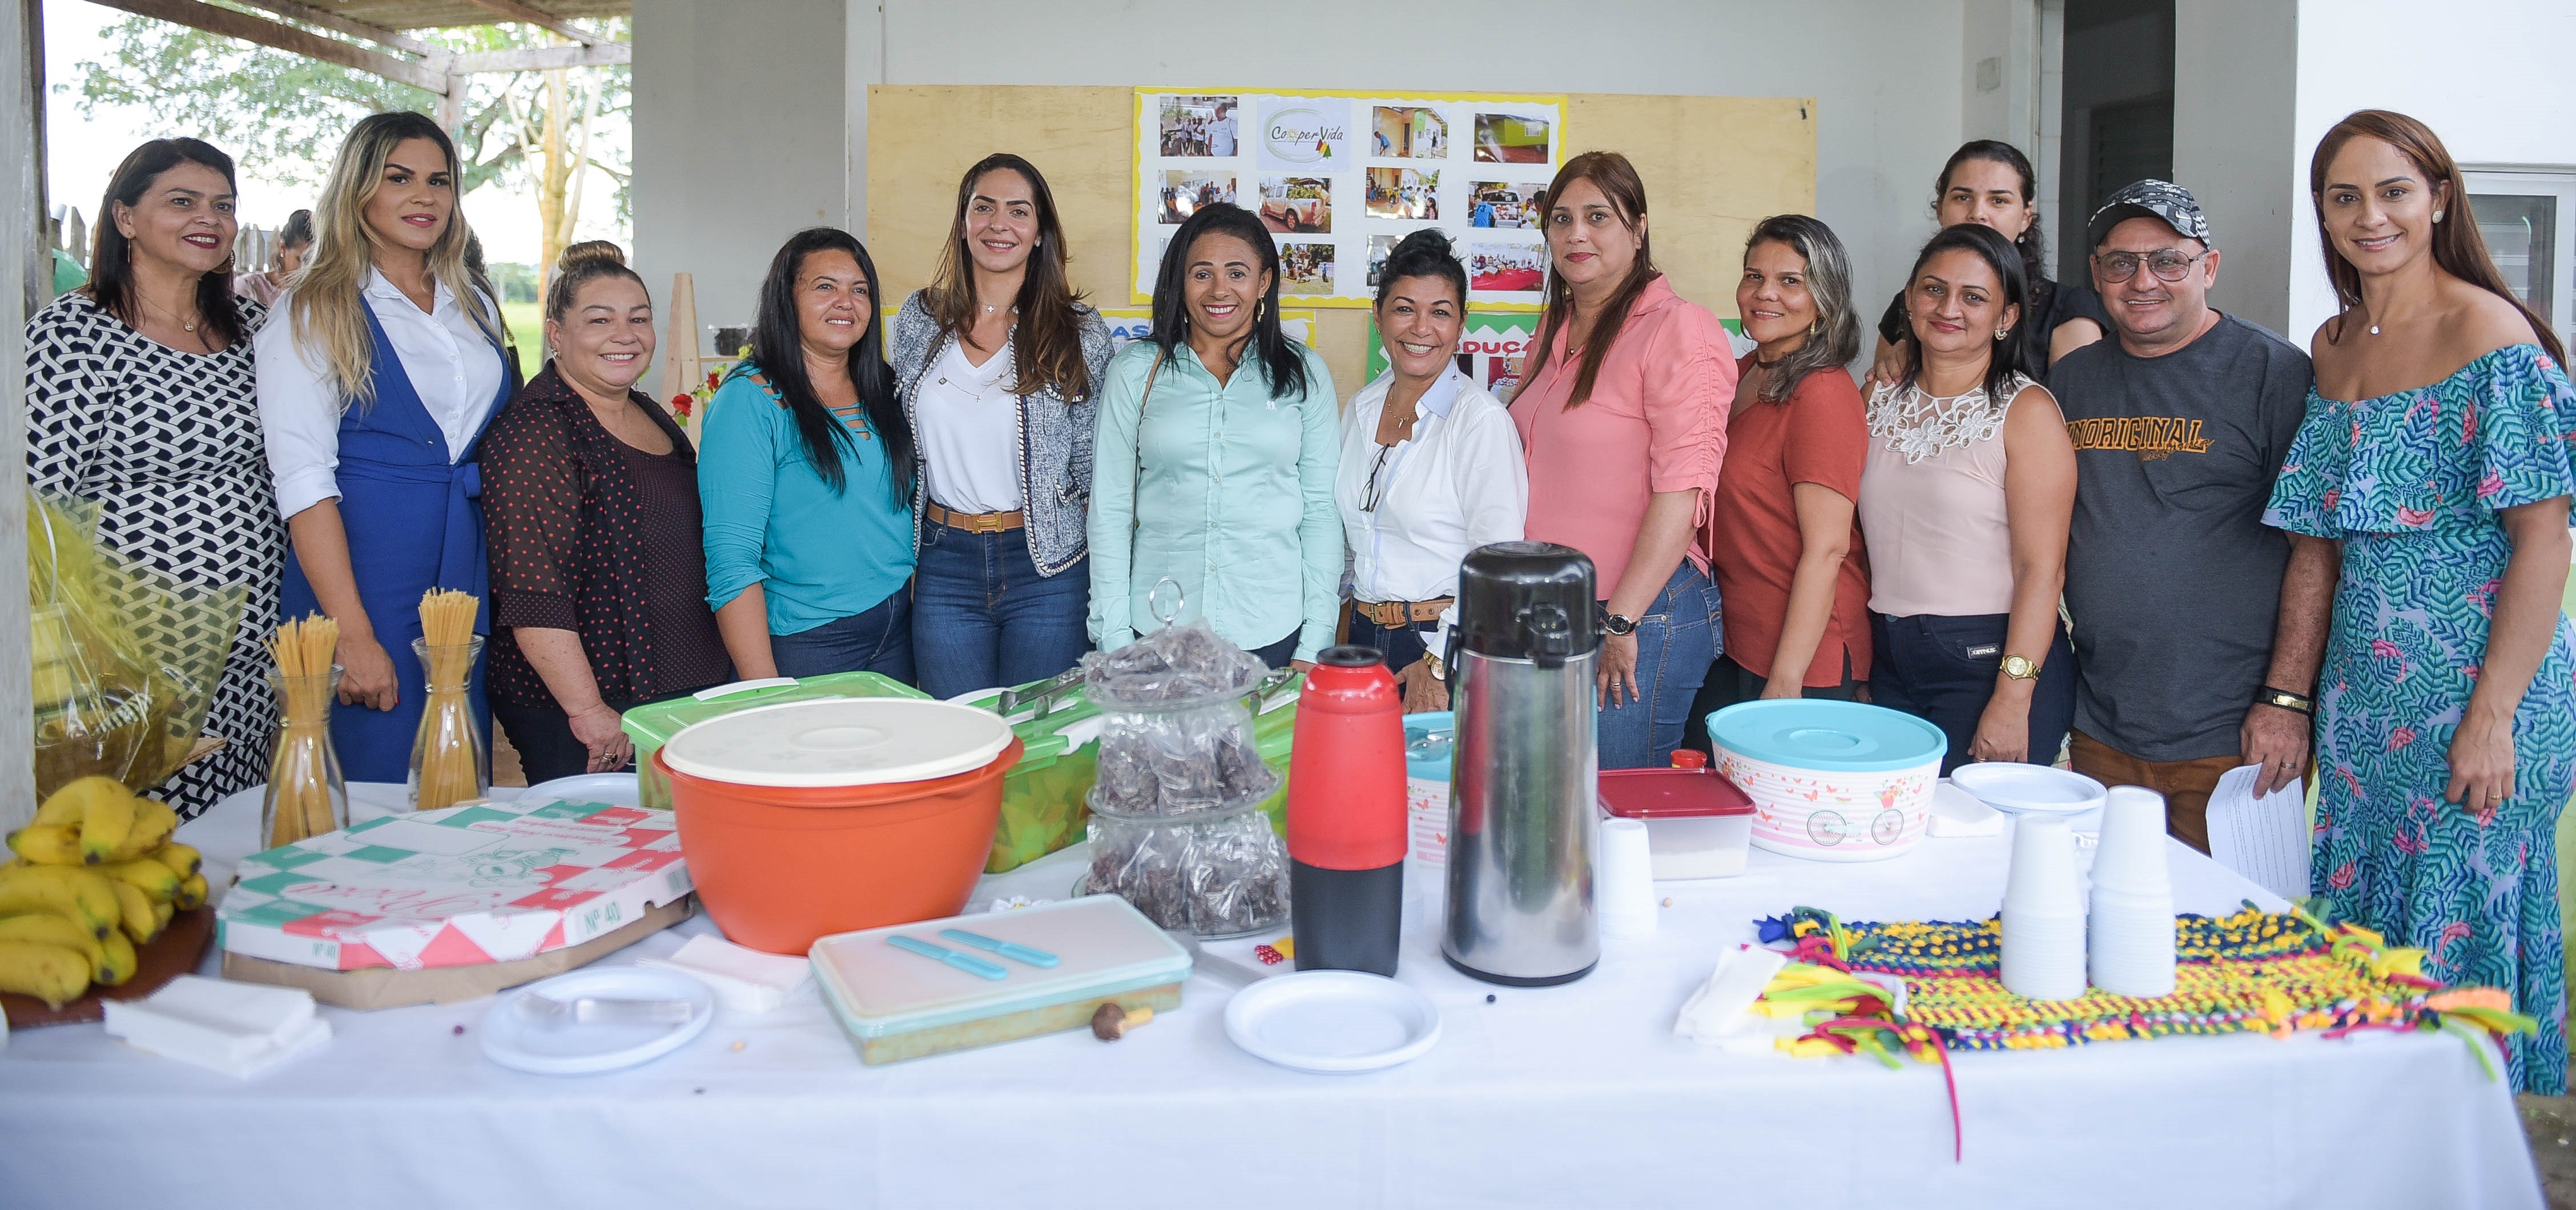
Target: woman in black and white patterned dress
x,y
140,397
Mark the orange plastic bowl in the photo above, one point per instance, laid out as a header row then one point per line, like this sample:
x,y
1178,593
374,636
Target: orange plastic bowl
x,y
780,866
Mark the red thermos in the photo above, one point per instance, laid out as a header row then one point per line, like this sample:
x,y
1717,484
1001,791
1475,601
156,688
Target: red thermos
x,y
1346,820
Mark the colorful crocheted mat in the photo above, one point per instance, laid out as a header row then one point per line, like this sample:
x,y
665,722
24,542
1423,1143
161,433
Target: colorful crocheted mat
x,y
2250,972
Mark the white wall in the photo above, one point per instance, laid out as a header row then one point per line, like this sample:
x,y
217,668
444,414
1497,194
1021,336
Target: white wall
x,y
2489,76
1886,74
740,140
2235,79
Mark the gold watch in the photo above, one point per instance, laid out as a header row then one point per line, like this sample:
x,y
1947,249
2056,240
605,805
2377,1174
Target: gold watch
x,y
2019,667
1439,670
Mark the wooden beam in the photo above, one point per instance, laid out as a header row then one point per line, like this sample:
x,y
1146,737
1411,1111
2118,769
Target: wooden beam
x,y
529,14
606,54
232,23
329,20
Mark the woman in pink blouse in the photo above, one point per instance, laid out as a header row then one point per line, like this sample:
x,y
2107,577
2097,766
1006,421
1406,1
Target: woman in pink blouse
x,y
1624,422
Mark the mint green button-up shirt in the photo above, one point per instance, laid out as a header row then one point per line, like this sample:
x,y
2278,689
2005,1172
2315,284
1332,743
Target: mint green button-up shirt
x,y
1225,490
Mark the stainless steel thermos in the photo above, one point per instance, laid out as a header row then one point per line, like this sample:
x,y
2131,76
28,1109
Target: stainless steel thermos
x,y
1522,797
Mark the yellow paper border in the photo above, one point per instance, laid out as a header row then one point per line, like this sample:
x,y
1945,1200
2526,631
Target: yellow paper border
x,y
1136,171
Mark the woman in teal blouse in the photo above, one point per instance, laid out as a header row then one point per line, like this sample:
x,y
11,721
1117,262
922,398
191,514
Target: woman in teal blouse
x,y
1214,464
804,471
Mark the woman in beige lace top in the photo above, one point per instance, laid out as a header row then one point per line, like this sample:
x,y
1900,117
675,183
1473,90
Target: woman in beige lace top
x,y
1964,504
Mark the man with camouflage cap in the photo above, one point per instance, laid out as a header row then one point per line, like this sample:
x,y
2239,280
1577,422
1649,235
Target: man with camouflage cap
x,y
2196,642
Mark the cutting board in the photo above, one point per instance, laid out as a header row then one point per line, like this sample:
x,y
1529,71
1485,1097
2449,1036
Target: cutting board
x,y
174,953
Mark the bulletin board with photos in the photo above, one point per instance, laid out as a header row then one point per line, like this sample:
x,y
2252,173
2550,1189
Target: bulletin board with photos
x,y
1339,178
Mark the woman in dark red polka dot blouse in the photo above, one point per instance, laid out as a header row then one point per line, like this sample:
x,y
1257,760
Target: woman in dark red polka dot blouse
x,y
590,496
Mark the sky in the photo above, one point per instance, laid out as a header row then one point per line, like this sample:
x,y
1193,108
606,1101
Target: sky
x,y
82,152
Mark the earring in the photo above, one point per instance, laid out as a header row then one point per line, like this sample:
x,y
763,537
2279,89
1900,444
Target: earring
x,y
2437,216
1817,328
2000,333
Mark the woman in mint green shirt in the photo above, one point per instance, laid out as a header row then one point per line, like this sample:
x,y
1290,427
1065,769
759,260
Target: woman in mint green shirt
x,y
1214,464
804,469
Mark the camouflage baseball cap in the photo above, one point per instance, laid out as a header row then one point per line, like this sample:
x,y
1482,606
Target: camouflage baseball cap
x,y
2151,199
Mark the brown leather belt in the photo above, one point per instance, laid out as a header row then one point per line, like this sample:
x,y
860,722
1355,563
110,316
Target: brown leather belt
x,y
976,523
1395,615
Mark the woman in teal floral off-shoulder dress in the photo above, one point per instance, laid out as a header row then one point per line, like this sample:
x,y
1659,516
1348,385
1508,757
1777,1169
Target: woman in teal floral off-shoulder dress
x,y
2452,849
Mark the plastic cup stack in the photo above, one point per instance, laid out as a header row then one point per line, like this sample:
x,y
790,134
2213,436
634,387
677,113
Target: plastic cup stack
x,y
1623,880
2132,926
2043,915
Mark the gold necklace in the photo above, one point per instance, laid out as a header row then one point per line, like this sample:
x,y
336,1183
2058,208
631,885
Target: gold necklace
x,y
186,325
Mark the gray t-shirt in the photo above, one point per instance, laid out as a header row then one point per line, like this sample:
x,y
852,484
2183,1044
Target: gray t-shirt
x,y
2172,579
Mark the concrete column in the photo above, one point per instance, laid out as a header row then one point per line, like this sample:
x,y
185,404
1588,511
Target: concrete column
x,y
2236,82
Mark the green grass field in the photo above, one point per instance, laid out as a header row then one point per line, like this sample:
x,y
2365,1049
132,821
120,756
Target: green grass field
x,y
527,326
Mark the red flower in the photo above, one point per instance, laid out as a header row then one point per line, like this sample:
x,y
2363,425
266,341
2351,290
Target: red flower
x,y
2342,878
2400,738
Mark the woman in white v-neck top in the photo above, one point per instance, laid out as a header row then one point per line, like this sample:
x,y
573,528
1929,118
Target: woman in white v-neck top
x,y
1000,367
1431,468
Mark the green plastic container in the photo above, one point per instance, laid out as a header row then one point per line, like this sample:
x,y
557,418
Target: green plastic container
x,y
653,724
1042,796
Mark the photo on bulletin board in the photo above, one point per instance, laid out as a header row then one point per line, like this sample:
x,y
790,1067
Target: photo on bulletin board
x,y
1338,177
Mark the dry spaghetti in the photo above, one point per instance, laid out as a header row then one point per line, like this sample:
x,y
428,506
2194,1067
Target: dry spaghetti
x,y
299,802
447,755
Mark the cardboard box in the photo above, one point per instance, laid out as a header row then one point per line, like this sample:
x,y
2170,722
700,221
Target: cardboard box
x,y
472,885
385,987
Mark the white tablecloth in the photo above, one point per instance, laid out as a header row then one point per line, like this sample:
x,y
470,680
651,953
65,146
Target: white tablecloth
x,y
1577,1096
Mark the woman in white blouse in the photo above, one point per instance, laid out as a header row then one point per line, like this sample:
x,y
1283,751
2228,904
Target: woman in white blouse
x,y
375,383
1431,469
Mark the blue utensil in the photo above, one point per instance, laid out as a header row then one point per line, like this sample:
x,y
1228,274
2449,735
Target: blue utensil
x,y
965,962
1009,949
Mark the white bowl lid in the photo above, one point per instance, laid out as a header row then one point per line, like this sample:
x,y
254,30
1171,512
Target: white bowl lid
x,y
840,742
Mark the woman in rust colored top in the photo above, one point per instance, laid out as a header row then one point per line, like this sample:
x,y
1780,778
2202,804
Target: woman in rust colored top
x,y
1783,539
590,500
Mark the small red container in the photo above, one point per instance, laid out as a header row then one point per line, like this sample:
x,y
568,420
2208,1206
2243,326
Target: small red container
x,y
1698,824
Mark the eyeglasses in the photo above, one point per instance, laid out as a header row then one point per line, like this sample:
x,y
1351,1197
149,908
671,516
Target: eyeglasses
x,y
2166,264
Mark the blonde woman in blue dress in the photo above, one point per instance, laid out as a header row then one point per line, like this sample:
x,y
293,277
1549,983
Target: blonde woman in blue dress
x,y
2434,461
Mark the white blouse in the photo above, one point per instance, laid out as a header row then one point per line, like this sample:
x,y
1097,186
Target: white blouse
x,y
969,424
1458,483
454,368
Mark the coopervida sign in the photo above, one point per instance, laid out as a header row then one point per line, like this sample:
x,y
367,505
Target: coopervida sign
x,y
1304,136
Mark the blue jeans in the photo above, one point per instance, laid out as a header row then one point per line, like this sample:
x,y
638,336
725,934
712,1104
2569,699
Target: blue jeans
x,y
982,615
1942,670
1676,642
877,640
1401,646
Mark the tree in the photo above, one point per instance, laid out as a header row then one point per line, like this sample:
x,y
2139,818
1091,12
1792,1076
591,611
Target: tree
x,y
281,114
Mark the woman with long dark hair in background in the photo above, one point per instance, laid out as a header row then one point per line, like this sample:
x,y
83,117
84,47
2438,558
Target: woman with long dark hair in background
x,y
1990,183
1215,460
376,380
294,243
1623,420
804,468
1966,500
1000,364
141,398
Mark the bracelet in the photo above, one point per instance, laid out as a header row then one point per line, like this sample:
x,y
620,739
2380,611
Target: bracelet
x,y
2296,703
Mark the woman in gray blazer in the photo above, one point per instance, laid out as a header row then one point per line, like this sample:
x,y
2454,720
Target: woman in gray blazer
x,y
1000,366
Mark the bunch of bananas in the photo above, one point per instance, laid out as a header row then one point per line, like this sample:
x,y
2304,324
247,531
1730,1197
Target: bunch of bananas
x,y
96,875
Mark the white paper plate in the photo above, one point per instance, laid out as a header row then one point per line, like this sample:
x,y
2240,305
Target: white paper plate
x,y
2018,789
1332,1021
615,789
514,1041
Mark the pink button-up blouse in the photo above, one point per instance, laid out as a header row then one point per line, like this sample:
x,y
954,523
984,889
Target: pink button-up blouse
x,y
1656,422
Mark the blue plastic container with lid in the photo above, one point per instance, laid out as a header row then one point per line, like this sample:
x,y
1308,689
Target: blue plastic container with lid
x,y
1428,747
1831,781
